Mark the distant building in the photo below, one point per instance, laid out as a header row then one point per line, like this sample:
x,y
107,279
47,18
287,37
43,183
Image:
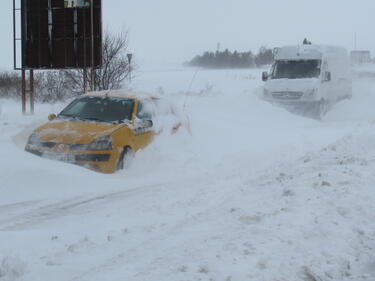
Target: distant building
x,y
360,57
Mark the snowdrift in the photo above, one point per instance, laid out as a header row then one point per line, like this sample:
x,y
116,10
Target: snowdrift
x,y
251,193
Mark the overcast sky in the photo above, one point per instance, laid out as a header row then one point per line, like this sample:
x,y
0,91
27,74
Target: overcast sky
x,y
173,31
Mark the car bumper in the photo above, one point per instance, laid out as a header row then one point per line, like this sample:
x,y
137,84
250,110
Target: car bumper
x,y
101,161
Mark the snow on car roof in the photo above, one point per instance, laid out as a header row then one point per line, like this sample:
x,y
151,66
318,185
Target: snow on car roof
x,y
122,94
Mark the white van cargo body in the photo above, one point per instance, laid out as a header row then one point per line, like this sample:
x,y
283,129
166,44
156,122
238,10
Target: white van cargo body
x,y
308,78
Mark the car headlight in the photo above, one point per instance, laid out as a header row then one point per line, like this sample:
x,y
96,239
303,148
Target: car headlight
x,y
266,93
34,139
102,143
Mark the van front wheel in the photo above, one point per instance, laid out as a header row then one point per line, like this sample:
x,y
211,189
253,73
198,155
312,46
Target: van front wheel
x,y
320,109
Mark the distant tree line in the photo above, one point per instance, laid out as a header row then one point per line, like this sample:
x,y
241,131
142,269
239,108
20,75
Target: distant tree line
x,y
228,59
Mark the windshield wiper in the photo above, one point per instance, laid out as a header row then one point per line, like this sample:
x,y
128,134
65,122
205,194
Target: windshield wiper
x,y
94,119
67,115
86,118
75,117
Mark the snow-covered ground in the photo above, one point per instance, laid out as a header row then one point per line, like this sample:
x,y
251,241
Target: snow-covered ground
x,y
253,193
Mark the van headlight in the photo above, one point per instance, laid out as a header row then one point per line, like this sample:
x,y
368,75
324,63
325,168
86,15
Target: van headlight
x,y
102,143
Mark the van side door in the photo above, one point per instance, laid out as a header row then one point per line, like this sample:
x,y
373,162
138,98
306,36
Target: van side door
x,y
328,92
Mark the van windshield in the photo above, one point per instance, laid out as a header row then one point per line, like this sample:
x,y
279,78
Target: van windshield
x,y
295,69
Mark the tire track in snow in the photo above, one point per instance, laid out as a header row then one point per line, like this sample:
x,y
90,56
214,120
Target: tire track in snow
x,y
68,207
17,206
123,256
72,206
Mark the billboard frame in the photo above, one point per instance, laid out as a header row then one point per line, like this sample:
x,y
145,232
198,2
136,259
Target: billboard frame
x,y
20,53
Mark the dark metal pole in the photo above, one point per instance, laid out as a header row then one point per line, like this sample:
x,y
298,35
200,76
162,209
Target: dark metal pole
x,y
92,78
84,52
84,80
130,56
14,35
92,48
39,41
65,47
130,74
23,91
32,91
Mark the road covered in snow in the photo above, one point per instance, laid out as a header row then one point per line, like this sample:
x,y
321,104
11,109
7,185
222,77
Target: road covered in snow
x,y
252,193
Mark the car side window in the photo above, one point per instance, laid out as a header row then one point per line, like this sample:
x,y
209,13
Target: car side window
x,y
143,112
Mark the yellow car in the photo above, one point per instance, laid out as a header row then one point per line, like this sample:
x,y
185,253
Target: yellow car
x,y
99,130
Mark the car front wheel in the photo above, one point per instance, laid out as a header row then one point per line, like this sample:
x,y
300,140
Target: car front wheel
x,y
125,159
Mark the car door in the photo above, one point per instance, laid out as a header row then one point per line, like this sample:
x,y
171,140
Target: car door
x,y
143,126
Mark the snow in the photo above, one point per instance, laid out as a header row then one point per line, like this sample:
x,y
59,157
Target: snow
x,y
251,193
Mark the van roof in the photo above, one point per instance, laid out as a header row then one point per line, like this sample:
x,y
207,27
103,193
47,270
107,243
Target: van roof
x,y
305,52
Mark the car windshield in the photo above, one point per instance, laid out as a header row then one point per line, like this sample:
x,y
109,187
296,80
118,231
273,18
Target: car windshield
x,y
294,69
100,109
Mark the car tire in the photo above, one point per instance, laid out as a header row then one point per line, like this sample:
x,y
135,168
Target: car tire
x,y
125,158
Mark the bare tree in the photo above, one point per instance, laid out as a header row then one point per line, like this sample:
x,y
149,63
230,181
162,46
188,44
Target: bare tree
x,y
10,84
52,86
115,66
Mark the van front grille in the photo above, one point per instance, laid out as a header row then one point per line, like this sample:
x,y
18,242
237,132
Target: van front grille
x,y
287,95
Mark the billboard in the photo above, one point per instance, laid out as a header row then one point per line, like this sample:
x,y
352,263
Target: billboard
x,y
61,34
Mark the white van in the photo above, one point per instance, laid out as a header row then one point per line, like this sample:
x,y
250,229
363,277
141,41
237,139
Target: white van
x,y
308,78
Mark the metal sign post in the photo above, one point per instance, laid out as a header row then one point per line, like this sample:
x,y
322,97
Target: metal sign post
x,y
130,56
28,91
92,49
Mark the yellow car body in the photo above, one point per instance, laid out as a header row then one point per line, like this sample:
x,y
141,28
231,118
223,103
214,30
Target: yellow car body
x,y
73,140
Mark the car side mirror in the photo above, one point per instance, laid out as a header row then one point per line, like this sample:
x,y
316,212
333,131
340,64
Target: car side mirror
x,y
327,76
52,117
143,123
148,123
264,76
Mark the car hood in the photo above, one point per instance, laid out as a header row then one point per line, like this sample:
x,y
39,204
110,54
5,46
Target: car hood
x,y
291,85
69,132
